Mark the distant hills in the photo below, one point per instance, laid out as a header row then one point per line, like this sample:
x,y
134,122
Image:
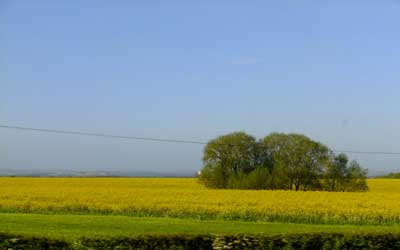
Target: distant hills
x,y
100,173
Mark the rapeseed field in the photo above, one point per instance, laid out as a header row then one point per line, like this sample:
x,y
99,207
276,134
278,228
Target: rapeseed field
x,y
186,198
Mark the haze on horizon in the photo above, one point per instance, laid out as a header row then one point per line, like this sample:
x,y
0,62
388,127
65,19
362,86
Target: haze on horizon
x,y
193,71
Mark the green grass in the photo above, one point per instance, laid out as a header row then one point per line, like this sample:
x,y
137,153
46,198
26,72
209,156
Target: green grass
x,y
75,226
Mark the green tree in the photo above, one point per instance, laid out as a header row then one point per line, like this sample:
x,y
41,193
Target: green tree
x,y
301,159
212,176
336,171
279,161
228,155
259,178
356,178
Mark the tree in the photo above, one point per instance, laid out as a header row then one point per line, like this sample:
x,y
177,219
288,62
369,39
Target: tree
x,y
279,161
212,176
356,177
336,172
301,159
344,176
259,178
230,154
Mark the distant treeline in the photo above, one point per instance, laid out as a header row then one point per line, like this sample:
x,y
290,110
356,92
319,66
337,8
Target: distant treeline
x,y
278,161
391,176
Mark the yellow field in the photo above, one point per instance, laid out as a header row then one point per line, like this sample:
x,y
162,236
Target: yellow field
x,y
179,197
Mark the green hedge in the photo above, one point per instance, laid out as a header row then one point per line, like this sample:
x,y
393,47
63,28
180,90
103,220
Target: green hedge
x,y
175,242
309,241
12,242
212,242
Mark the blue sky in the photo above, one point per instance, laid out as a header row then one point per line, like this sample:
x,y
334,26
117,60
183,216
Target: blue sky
x,y
195,70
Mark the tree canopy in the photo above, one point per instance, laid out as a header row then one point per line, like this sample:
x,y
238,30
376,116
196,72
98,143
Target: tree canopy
x,y
227,155
278,161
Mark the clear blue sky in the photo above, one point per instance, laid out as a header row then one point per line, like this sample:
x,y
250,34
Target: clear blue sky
x,y
328,69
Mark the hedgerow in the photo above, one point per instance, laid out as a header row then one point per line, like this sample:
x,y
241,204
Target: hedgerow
x,y
324,241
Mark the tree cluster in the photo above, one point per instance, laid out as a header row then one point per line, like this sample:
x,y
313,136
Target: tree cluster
x,y
278,161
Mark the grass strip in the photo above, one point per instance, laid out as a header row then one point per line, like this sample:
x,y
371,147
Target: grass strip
x,y
71,227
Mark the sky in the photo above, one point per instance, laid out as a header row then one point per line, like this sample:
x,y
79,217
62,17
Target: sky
x,y
193,70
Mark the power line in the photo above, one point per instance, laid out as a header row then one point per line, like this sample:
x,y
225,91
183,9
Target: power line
x,y
101,135
367,152
153,139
